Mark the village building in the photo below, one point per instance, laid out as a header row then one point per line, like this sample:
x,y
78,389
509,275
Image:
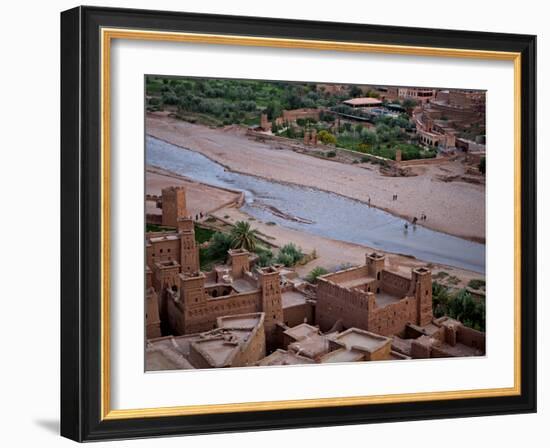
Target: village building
x,y
363,102
441,121
284,358
239,315
374,299
239,341
442,338
416,93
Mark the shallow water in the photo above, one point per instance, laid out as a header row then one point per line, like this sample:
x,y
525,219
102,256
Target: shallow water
x,y
319,212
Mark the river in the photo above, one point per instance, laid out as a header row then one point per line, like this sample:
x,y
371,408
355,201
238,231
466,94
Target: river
x,y
319,212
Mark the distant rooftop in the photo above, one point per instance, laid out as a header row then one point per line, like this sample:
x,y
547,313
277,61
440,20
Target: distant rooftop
x,y
164,354
246,321
217,347
218,351
244,285
302,331
343,355
293,298
365,101
355,338
384,298
284,358
311,346
354,283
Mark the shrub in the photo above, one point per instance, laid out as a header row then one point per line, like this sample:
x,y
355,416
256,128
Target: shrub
x,y
285,259
477,283
315,273
289,255
326,137
265,258
331,154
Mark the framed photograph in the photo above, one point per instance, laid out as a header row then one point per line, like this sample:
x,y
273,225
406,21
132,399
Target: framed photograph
x,y
277,224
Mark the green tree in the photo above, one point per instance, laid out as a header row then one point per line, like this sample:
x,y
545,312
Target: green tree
x,y
369,138
409,105
463,308
243,236
440,299
273,110
218,246
355,91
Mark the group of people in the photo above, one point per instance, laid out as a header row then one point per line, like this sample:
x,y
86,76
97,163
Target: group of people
x,y
199,216
415,220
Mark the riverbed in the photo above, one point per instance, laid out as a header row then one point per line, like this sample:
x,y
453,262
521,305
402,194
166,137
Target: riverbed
x,y
320,212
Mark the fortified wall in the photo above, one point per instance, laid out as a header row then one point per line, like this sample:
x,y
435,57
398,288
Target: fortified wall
x,y
374,299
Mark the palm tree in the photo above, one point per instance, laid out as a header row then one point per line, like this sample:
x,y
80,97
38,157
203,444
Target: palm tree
x,y
243,237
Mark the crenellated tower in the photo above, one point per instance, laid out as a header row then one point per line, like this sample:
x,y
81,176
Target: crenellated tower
x,y
174,205
422,281
189,251
270,284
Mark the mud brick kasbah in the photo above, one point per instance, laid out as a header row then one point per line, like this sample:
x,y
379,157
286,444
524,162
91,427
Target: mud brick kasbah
x,y
239,314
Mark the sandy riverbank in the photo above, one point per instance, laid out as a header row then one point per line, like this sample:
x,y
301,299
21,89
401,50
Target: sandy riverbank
x,y
199,197
456,208
332,254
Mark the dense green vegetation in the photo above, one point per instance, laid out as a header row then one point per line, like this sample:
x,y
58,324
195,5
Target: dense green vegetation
x,y
477,283
265,256
216,251
458,305
383,139
289,255
220,102
225,101
242,236
203,234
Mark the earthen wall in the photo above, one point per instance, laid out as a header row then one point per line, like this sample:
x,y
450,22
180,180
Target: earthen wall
x,y
470,337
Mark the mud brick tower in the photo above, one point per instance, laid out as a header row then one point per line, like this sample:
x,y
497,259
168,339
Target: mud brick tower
x,y
173,205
